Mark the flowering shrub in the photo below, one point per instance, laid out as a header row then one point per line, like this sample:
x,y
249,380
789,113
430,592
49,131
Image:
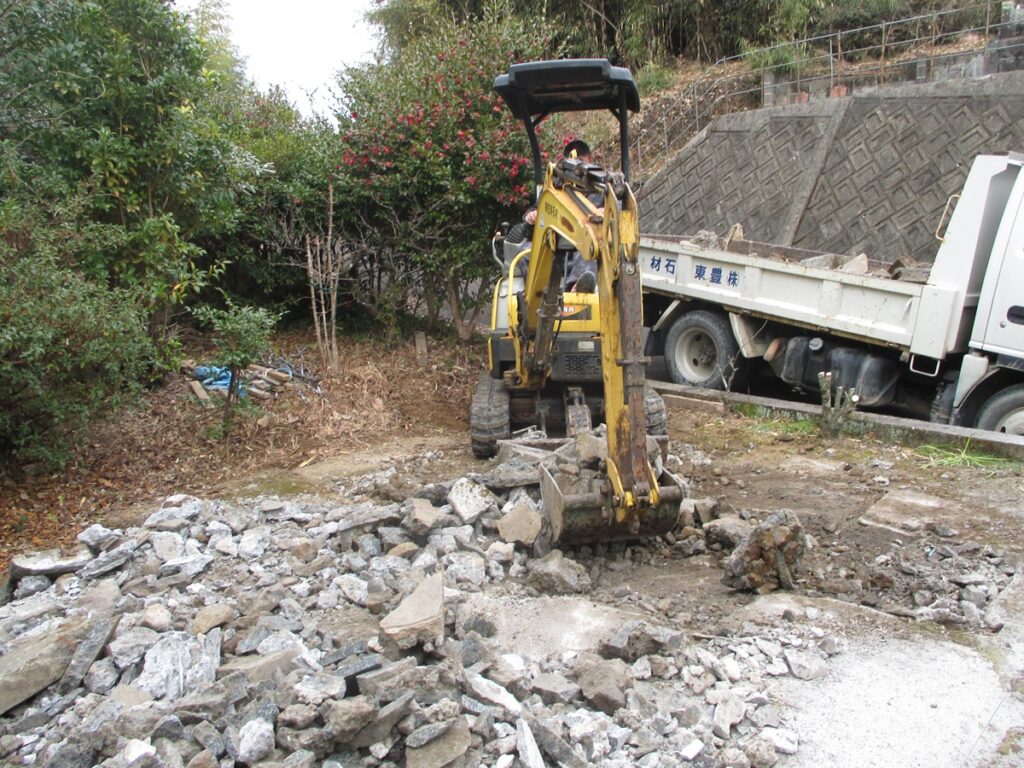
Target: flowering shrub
x,y
432,160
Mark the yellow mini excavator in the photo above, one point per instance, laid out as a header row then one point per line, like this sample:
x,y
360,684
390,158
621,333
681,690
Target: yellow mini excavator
x,y
560,358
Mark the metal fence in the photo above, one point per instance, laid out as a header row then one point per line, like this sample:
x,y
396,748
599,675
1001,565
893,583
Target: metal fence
x,y
961,42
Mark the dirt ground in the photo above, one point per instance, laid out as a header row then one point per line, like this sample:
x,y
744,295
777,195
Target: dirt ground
x,y
863,552
386,410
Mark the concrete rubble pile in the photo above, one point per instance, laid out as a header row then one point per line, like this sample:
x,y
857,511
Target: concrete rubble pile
x,y
298,634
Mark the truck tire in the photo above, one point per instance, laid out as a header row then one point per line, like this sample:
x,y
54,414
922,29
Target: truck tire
x,y
654,411
701,351
1004,411
488,416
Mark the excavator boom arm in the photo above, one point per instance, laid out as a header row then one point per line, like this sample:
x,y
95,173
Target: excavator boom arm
x,y
567,220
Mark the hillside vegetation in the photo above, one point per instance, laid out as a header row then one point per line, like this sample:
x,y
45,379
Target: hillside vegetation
x,y
142,174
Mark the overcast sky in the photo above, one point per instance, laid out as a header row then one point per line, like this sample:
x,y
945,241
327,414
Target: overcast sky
x,y
298,44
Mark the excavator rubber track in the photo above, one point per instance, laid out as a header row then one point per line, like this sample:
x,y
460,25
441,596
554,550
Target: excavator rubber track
x,y
488,416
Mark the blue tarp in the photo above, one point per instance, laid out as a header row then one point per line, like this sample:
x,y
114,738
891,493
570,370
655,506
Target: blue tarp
x,y
217,377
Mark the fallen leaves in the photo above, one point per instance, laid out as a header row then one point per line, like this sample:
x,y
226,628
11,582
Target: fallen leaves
x,y
159,446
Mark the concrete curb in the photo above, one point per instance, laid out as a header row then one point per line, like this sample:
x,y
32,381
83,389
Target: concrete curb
x,y
909,432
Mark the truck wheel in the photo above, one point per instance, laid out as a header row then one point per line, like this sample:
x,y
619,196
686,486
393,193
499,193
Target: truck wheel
x,y
701,351
488,416
1004,411
654,411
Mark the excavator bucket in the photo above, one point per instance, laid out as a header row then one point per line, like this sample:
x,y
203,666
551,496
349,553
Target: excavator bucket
x,y
579,509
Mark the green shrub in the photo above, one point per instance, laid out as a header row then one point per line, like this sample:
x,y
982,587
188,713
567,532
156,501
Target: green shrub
x,y
241,334
652,78
69,349
780,60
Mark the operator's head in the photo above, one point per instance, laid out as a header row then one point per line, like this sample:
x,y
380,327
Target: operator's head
x,y
577,150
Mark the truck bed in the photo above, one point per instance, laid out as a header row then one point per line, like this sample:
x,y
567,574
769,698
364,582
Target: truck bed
x,y
770,281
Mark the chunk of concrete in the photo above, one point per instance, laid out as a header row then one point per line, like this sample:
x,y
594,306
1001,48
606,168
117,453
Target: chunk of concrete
x,y
420,616
604,683
557,574
469,500
554,688
728,712
423,516
210,616
50,563
442,751
769,556
385,719
344,718
521,523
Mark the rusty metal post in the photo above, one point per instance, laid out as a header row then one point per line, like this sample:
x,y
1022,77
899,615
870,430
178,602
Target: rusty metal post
x,y
881,66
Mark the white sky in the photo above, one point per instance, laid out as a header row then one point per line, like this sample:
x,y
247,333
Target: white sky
x,y
298,44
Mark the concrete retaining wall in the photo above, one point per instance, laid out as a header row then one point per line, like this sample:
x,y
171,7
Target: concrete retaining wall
x,y
864,173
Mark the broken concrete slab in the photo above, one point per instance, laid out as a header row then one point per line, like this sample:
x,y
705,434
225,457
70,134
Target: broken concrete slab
x,y
260,667
557,574
642,638
489,691
50,563
88,649
442,751
108,561
420,616
36,662
533,628
360,515
907,512
526,746
522,521
505,477
469,499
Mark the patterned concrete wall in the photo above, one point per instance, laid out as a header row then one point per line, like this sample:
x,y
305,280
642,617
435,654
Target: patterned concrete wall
x,y
867,173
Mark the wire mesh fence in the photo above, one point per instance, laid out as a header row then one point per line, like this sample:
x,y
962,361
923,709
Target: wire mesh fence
x,y
963,42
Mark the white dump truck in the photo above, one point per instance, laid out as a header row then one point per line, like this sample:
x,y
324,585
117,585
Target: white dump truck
x,y
944,342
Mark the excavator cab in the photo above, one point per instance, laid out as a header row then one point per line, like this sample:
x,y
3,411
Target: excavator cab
x,y
564,360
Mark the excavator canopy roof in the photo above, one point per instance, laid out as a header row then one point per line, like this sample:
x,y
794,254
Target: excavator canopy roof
x,y
540,88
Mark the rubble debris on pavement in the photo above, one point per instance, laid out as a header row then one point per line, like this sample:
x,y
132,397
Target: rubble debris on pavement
x,y
294,632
